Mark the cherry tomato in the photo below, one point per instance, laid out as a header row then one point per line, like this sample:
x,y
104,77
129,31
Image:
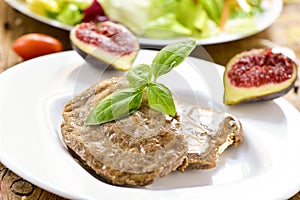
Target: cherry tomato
x,y
36,44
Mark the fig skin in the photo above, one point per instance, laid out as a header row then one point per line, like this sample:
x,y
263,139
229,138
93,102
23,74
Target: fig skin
x,y
237,95
101,56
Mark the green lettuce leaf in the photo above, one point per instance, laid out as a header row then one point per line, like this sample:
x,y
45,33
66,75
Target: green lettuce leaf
x,y
70,14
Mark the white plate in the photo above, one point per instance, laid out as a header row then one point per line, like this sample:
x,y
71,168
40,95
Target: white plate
x,y
273,10
265,166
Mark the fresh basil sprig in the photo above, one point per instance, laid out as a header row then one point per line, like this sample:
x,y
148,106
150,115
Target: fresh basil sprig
x,y
120,103
170,57
143,78
160,98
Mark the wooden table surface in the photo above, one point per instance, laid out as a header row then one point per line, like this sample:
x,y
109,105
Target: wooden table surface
x,y
285,32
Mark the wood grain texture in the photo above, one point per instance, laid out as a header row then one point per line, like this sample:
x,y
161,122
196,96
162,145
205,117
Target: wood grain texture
x,y
13,187
285,31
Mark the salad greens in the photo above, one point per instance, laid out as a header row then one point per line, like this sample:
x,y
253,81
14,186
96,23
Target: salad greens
x,y
161,18
193,18
143,80
66,11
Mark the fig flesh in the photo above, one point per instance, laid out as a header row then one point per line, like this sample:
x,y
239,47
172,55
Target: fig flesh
x,y
105,44
258,75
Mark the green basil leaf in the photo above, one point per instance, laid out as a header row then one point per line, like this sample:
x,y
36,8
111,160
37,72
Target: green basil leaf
x,y
126,101
116,105
160,98
171,56
139,75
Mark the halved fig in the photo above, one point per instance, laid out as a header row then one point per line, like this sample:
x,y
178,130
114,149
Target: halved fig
x,y
105,44
258,75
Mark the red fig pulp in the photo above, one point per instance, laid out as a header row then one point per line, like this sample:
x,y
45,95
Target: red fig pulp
x,y
258,75
108,42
